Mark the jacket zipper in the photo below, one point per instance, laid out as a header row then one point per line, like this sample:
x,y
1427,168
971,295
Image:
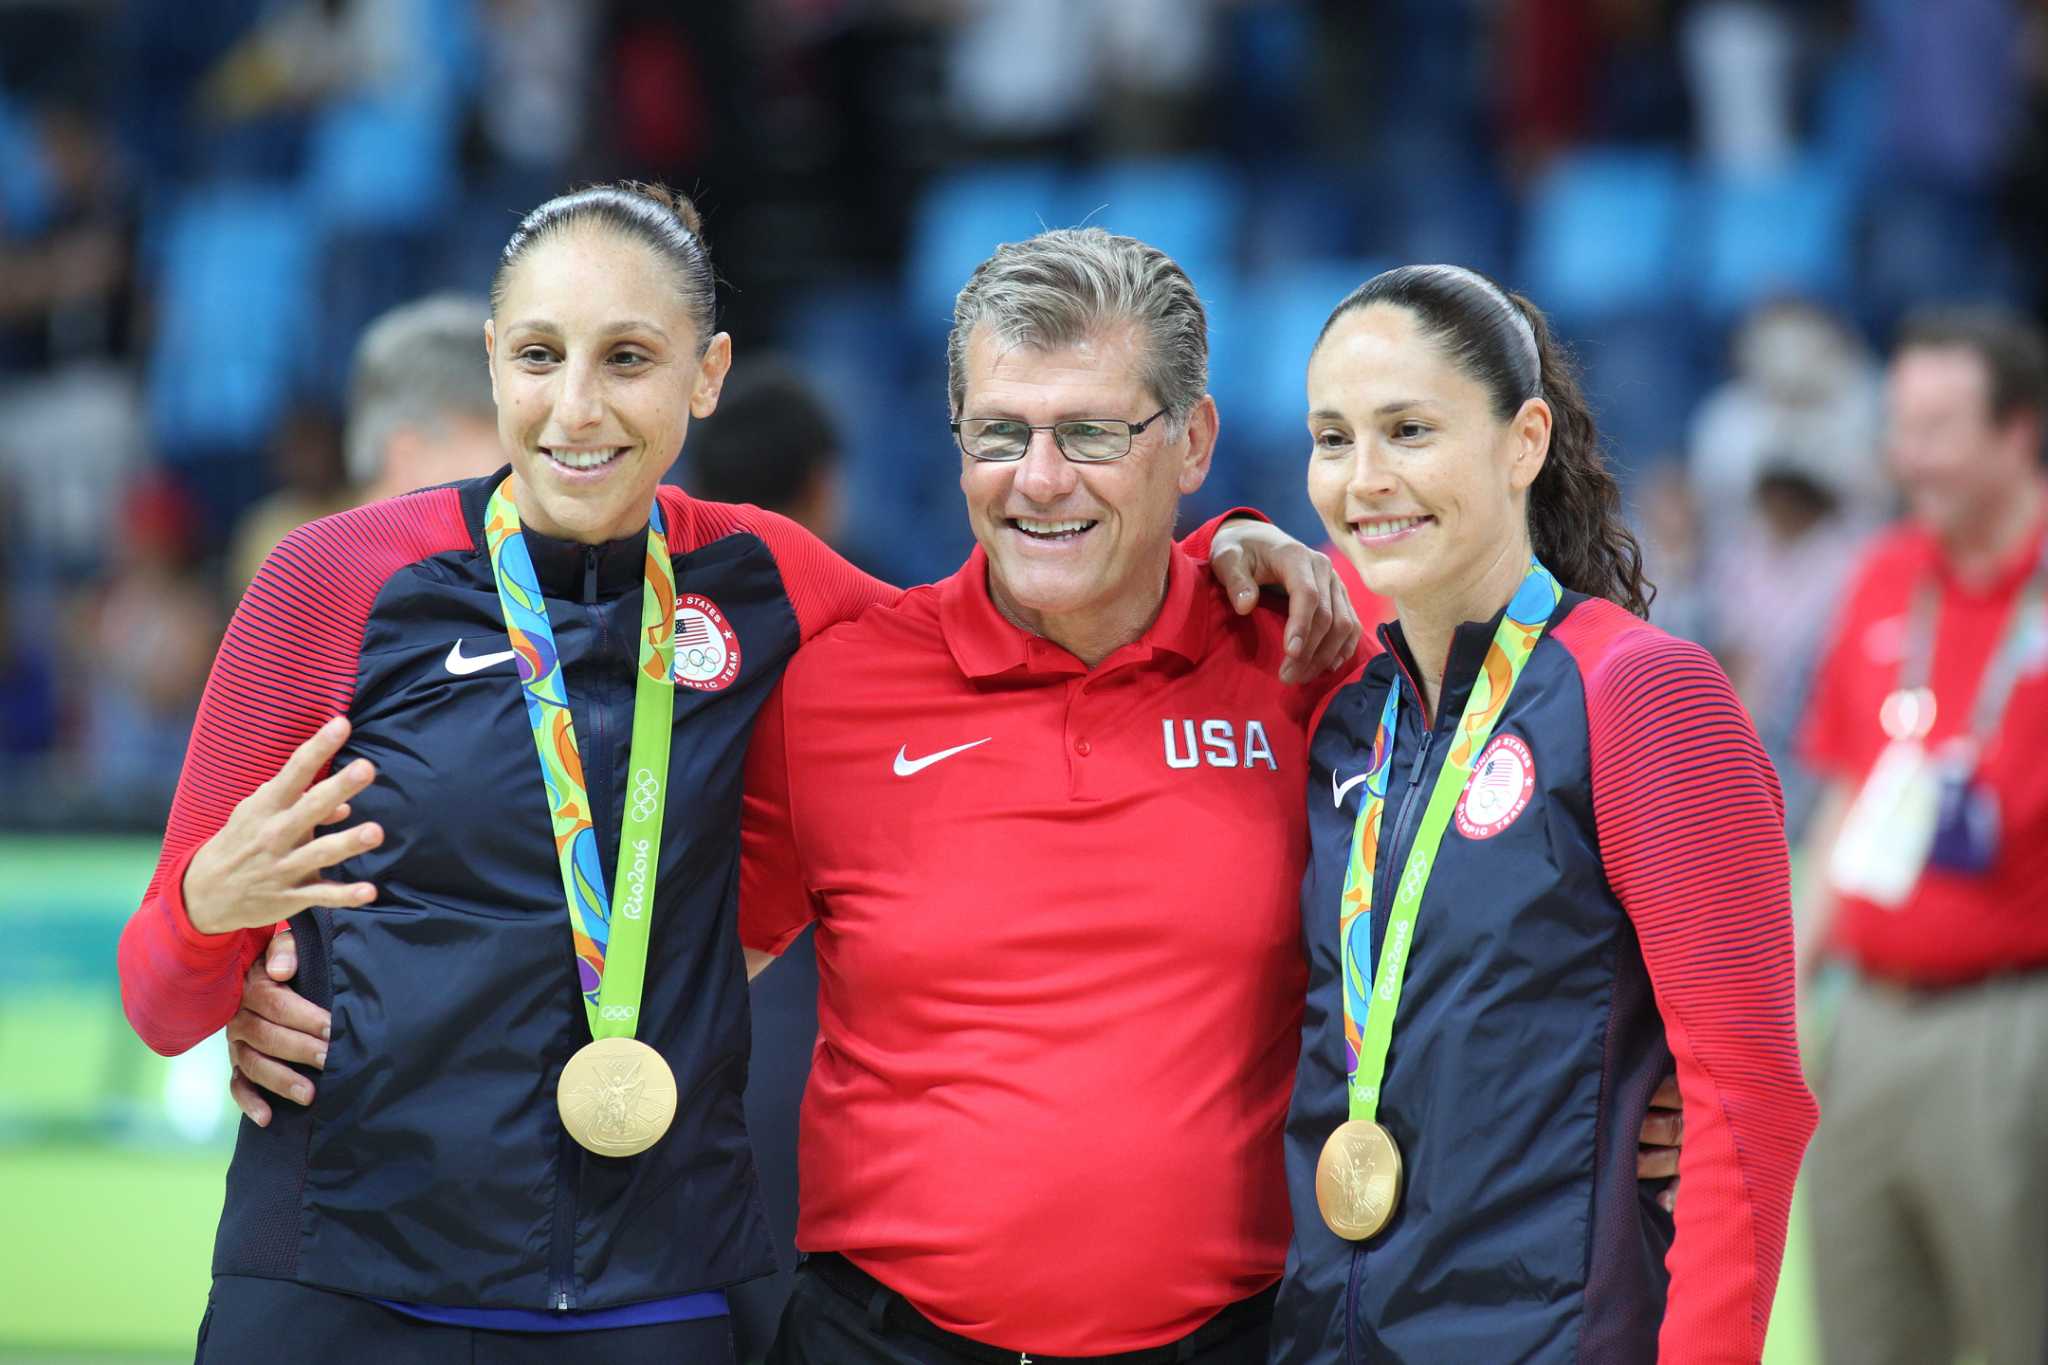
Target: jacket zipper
x,y
1383,873
1351,1308
562,1234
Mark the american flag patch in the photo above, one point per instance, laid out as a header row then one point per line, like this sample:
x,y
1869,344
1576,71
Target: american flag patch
x,y
693,630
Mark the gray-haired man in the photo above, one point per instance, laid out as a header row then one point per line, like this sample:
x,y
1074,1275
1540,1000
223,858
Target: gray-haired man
x,y
419,403
1047,817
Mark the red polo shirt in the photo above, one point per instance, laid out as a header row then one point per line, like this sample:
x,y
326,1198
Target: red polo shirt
x,y
1059,956
1953,928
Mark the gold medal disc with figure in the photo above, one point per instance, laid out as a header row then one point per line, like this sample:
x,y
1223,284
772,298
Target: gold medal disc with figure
x,y
617,1096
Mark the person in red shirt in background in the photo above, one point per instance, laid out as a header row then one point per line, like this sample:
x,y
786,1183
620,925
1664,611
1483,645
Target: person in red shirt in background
x,y
1929,1175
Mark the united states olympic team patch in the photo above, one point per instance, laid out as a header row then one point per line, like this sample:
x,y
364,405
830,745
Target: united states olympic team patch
x,y
707,647
1500,787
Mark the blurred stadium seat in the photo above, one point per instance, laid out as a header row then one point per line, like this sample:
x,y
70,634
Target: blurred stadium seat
x,y
233,305
962,217
384,162
1190,208
1602,233
1788,232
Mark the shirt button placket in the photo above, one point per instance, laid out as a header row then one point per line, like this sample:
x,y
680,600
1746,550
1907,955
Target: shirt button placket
x,y
1078,745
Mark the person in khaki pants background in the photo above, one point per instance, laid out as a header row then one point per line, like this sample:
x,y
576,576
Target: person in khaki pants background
x,y
1929,715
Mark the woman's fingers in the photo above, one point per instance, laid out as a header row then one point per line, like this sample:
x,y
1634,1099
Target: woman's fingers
x,y
312,809
329,849
1656,1163
1340,641
306,760
334,895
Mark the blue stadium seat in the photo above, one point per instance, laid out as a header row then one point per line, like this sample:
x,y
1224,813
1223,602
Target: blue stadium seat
x,y
1790,232
1190,208
961,218
1602,233
387,162
1284,310
233,311
25,191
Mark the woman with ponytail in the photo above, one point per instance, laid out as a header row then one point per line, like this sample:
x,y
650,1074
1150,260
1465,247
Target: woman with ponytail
x,y
1548,862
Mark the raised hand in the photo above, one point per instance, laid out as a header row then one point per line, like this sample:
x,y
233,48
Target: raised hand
x,y
265,865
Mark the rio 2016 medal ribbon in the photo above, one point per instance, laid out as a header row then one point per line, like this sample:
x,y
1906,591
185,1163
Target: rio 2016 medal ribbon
x,y
1358,1178
617,1096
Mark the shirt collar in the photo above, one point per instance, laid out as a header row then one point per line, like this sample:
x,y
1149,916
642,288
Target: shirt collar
x,y
985,643
2005,580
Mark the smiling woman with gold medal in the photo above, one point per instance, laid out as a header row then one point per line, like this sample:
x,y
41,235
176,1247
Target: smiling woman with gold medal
x,y
1548,860
525,1144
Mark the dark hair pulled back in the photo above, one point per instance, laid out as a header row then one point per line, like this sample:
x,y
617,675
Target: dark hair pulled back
x,y
1503,341
653,214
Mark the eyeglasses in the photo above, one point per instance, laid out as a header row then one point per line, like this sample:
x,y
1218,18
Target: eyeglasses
x,y
1088,440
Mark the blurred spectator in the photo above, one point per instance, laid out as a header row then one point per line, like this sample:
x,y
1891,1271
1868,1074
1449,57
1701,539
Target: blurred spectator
x,y
1795,553
64,236
306,464
538,56
28,698
1929,1176
1950,76
419,406
1054,76
1674,555
144,641
1804,394
1742,65
773,444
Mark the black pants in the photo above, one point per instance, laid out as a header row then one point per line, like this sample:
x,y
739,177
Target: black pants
x,y
829,1321
251,1321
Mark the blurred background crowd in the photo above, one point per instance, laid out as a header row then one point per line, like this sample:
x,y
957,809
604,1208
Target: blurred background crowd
x,y
1726,206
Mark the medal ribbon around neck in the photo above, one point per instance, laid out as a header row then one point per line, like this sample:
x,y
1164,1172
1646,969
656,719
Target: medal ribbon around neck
x,y
1366,1048
611,950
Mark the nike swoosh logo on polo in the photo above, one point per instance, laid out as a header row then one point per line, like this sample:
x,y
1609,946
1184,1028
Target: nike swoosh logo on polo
x,y
906,765
1337,792
460,663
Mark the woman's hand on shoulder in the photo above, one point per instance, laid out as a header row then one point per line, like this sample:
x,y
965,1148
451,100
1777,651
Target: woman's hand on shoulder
x,y
1322,628
265,864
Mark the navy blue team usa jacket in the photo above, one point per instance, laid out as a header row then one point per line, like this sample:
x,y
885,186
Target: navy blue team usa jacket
x,y
1617,898
432,1167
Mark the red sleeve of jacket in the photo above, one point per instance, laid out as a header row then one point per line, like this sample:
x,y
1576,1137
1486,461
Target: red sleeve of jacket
x,y
774,903
1692,833
286,666
824,589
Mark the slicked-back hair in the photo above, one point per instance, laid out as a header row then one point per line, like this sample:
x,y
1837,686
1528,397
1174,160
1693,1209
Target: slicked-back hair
x,y
654,215
418,365
1067,285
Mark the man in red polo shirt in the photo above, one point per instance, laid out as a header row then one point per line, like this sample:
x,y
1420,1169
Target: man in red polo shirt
x,y
1048,817
1929,1174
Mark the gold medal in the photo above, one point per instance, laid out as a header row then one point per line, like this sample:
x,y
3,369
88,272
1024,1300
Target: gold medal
x,y
617,1096
1358,1179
